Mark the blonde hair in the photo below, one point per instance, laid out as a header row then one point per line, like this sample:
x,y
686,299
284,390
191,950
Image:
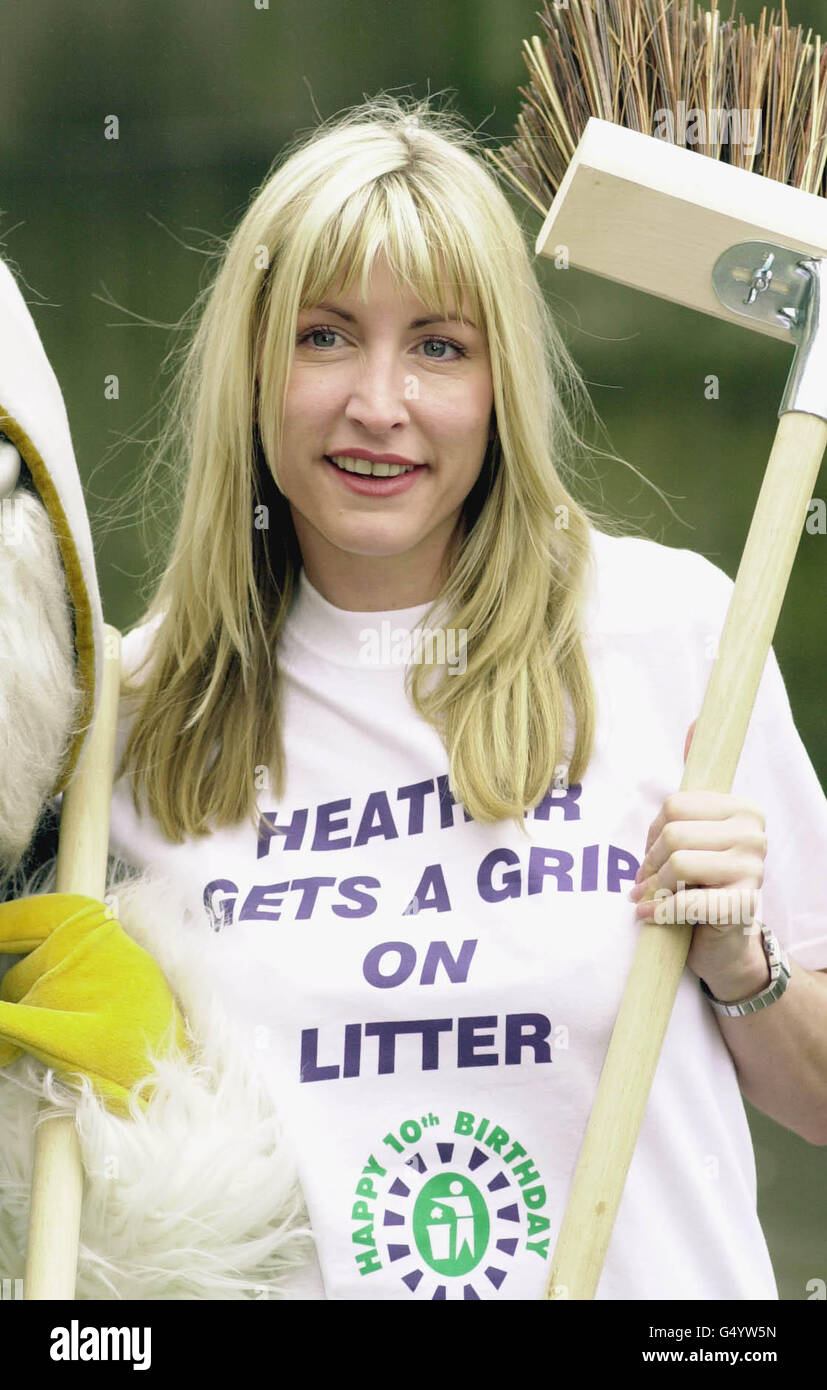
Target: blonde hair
x,y
407,179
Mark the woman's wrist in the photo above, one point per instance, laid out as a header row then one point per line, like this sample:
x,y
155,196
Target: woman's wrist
x,y
743,977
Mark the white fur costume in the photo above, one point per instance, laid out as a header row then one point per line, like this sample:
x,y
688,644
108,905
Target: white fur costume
x,y
197,1197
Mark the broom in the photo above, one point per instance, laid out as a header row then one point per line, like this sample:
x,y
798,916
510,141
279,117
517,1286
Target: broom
x,y
736,228
82,856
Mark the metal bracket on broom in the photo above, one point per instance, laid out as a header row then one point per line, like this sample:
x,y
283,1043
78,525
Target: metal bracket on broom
x,y
57,1175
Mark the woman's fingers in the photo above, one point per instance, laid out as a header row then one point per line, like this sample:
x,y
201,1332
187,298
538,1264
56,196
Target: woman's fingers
x,y
698,805
698,868
740,838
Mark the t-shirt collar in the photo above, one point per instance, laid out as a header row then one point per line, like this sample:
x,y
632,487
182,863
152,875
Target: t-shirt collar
x,y
346,637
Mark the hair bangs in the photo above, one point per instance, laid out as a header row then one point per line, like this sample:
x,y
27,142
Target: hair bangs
x,y
423,247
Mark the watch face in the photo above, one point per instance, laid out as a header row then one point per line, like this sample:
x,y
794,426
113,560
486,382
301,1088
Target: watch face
x,y
776,958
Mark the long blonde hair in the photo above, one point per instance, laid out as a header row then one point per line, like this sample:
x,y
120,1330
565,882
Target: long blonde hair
x,y
400,176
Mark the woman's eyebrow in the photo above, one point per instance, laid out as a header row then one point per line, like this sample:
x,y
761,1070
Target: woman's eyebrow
x,y
415,323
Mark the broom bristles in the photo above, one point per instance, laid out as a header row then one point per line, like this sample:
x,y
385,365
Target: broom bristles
x,y
752,97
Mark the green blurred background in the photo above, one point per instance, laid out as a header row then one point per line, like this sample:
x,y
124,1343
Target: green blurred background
x,y
206,96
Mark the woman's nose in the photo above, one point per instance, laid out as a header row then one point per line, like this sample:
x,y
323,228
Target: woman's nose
x,y
380,395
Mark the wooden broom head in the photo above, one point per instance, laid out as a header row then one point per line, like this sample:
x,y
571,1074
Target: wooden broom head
x,y
654,135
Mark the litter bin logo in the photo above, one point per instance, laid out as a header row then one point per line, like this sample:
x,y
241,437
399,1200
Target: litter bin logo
x,y
450,1207
451,1224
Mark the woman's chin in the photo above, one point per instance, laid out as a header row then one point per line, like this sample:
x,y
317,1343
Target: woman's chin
x,y
372,538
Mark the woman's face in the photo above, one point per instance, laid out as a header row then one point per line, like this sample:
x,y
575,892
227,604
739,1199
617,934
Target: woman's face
x,y
369,378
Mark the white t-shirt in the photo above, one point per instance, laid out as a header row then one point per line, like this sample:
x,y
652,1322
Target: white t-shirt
x,y
431,999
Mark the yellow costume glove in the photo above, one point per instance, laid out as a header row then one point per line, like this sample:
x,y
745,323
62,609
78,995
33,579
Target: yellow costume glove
x,y
87,998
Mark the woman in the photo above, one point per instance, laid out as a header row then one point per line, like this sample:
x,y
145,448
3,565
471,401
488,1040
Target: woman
x,y
415,853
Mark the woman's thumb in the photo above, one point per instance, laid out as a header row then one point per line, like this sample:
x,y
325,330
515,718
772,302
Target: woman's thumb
x,y
690,731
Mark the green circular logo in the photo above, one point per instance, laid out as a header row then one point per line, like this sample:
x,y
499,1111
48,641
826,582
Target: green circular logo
x,y
451,1224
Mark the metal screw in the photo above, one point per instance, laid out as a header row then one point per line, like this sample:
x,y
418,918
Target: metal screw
x,y
761,279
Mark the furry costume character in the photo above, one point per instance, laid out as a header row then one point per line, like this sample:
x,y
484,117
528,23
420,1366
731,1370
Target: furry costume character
x,y
195,1197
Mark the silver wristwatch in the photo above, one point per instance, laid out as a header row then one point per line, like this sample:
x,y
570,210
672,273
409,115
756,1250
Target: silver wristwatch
x,y
779,979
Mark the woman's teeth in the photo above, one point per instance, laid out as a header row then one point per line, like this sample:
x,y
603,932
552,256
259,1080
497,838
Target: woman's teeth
x,y
376,470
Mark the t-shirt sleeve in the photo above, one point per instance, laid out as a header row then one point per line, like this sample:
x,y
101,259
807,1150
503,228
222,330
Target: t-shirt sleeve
x,y
775,772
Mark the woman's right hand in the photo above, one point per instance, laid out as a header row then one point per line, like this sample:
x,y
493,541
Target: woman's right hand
x,y
85,998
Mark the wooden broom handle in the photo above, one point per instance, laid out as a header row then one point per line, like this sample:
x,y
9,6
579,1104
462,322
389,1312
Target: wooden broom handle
x,y
660,957
83,846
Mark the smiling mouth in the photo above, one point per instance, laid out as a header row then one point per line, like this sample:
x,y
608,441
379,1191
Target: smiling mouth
x,y
366,469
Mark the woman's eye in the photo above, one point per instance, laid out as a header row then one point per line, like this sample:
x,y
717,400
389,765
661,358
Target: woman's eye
x,y
313,333
317,333
445,343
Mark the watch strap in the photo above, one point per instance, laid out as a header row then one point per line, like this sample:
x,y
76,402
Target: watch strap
x,y
780,974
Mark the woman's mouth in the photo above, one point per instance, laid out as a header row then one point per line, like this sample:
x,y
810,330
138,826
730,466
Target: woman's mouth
x,y
374,479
